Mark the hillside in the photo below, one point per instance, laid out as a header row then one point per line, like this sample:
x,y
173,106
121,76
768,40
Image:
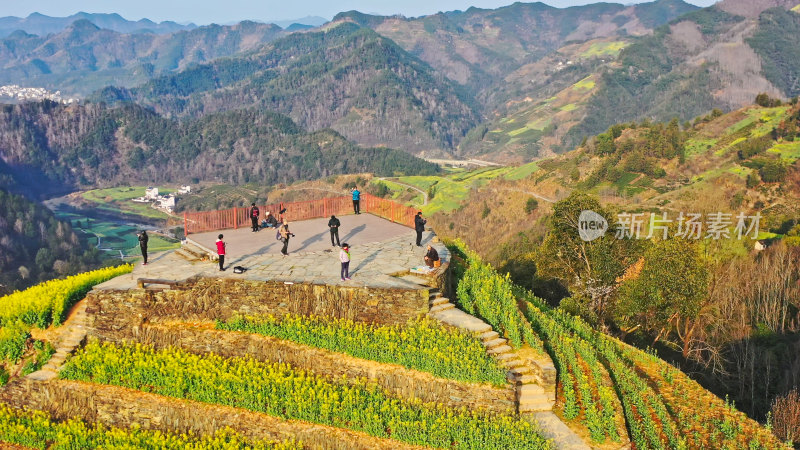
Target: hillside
x,y
731,161
49,148
744,162
362,85
35,246
42,25
86,56
513,58
710,58
479,47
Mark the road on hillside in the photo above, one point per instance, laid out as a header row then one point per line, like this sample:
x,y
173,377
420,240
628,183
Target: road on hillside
x,y
424,194
534,194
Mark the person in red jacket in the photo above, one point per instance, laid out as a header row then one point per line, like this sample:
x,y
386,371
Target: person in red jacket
x,y
221,252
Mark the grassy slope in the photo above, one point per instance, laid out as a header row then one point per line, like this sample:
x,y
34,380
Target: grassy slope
x,y
709,181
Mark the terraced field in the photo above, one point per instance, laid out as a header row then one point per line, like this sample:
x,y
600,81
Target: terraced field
x,y
283,382
181,367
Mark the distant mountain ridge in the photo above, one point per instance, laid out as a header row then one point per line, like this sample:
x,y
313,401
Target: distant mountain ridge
x,y
42,25
83,57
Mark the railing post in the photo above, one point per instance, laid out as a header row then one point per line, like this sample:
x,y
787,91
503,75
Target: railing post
x,y
393,203
235,219
185,226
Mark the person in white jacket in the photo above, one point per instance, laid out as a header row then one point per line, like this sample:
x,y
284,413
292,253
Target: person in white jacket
x,y
344,257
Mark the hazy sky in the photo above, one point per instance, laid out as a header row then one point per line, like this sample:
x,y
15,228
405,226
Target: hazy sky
x,y
203,12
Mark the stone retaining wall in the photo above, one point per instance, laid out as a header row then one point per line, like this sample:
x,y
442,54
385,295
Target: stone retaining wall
x,y
121,407
212,299
394,378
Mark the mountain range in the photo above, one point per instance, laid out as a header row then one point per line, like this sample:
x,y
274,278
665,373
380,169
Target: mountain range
x,y
43,25
84,57
508,84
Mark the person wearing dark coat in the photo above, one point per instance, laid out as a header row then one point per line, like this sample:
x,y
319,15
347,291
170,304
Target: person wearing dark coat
x,y
419,227
254,213
431,257
334,225
269,221
285,235
143,238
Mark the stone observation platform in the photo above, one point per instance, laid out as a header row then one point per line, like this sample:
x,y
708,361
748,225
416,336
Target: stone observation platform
x,y
382,254
177,297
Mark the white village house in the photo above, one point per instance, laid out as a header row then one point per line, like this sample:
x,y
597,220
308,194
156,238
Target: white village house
x,y
165,202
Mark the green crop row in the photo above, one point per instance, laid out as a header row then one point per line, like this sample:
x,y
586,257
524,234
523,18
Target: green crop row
x,y
486,294
278,390
420,344
662,407
661,411
48,302
35,429
42,305
482,291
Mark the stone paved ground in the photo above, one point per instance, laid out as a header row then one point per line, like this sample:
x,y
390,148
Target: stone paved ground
x,y
310,236
379,249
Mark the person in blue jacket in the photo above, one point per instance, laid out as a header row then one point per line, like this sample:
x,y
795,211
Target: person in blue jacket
x,y
356,201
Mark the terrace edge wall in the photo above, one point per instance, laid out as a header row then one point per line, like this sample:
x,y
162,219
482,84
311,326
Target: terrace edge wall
x,y
220,299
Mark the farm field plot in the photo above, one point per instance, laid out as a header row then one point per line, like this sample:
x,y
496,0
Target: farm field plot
x,y
450,190
119,239
118,200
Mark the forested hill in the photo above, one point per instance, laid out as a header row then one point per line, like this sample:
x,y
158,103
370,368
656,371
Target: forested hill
x,y
34,246
345,77
711,58
84,57
48,146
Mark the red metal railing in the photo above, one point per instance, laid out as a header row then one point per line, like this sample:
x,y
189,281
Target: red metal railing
x,y
199,222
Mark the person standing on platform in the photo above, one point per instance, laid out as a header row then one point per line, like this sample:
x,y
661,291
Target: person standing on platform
x,y
143,238
344,258
254,213
419,227
356,200
221,252
281,210
334,225
285,235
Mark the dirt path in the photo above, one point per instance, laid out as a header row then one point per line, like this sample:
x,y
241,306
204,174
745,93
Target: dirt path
x,y
424,194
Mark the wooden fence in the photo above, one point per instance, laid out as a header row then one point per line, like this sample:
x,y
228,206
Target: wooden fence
x,y
199,222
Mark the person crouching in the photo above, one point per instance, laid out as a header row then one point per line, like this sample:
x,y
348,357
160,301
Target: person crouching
x,y
432,257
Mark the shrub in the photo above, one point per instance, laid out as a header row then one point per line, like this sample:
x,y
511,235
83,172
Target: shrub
x,y
773,171
531,205
786,417
752,180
